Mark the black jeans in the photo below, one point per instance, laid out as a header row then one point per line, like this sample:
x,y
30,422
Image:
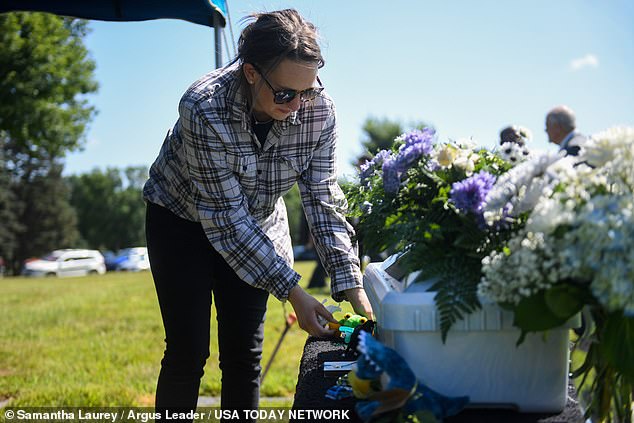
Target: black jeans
x,y
186,271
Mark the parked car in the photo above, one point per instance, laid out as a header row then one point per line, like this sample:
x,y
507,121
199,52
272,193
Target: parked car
x,y
302,253
132,259
68,262
111,260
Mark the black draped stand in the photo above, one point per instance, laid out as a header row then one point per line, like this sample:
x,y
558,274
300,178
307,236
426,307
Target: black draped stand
x,y
312,386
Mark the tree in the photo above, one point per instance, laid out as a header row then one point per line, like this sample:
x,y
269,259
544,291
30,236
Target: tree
x,y
48,221
129,216
379,134
45,75
136,176
294,211
110,208
9,208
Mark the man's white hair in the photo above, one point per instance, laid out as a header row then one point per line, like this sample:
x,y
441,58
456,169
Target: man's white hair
x,y
562,116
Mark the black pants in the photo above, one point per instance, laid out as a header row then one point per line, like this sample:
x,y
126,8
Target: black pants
x,y
186,271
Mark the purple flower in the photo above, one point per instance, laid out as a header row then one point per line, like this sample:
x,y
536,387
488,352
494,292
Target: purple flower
x,y
417,144
409,155
367,168
419,137
391,180
469,194
381,156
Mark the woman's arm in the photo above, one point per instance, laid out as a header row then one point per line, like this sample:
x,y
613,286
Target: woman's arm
x,y
325,208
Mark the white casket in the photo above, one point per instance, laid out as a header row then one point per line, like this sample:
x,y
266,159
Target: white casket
x,y
480,357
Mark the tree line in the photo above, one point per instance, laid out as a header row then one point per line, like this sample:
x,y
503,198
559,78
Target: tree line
x,y
101,210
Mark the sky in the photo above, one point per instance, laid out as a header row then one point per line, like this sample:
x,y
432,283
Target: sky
x,y
468,68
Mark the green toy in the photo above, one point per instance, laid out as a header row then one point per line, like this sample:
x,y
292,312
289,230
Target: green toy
x,y
352,320
349,320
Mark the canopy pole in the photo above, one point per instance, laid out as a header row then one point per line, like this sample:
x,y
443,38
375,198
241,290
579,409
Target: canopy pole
x,y
218,42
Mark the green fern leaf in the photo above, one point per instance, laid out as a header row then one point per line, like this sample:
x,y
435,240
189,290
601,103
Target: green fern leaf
x,y
456,292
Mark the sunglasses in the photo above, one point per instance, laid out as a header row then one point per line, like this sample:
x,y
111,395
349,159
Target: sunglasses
x,y
286,96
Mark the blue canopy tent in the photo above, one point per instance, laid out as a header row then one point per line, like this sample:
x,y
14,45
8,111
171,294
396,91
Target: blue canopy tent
x,y
211,13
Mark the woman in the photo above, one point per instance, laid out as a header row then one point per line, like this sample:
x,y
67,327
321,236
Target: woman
x,y
216,222
515,134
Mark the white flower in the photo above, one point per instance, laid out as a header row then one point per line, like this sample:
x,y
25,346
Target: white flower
x,y
446,155
597,153
513,152
604,245
518,190
528,269
612,153
548,215
524,133
466,144
605,146
466,160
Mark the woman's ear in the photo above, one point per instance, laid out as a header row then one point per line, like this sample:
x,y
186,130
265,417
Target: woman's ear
x,y
250,73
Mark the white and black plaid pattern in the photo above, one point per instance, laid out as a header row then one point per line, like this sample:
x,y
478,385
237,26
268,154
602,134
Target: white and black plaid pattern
x,y
212,169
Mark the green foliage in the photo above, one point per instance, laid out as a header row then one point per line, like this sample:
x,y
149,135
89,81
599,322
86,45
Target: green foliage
x,y
606,369
618,345
550,308
110,209
9,225
45,73
136,176
566,300
547,309
380,134
48,221
296,219
455,290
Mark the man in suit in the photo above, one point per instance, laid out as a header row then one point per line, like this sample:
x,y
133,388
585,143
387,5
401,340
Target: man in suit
x,y
560,127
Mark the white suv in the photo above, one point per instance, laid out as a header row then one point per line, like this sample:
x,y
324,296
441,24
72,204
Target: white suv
x,y
66,263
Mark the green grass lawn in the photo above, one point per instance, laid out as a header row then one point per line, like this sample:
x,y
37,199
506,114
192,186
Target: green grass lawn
x,y
98,341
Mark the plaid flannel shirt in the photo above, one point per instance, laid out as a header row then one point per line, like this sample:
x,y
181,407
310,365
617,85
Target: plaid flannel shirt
x,y
212,169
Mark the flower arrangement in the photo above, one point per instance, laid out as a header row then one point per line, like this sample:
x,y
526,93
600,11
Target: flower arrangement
x,y
426,198
547,238
575,251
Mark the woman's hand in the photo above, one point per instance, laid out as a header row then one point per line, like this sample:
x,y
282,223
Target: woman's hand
x,y
307,309
360,302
